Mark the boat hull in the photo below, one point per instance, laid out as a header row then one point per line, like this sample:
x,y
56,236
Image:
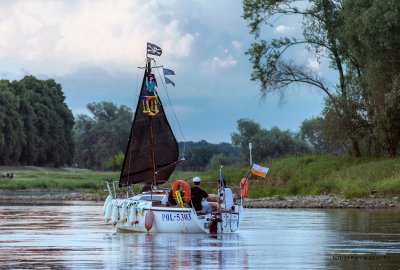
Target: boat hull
x,y
166,220
142,217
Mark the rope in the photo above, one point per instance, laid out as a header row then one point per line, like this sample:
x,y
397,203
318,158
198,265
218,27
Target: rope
x,y
130,136
172,108
169,101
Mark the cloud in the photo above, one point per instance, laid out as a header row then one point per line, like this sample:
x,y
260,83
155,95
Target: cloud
x,y
313,64
282,29
56,36
228,61
237,45
219,62
177,44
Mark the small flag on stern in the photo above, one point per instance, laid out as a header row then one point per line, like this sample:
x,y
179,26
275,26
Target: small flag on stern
x,y
167,81
259,170
153,49
168,71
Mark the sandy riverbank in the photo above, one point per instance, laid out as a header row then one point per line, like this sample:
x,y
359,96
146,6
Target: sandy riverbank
x,y
322,201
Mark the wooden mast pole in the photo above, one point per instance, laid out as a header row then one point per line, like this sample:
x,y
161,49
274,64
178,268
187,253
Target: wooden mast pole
x,y
151,138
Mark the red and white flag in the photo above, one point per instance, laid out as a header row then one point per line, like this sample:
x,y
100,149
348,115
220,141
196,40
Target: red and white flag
x,y
259,170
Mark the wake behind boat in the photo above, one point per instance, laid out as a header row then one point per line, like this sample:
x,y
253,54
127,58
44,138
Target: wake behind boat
x,y
150,158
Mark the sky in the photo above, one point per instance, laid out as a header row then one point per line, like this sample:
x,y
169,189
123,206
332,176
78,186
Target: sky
x,y
93,48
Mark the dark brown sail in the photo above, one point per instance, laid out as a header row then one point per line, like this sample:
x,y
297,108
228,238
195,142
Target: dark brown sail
x,y
148,134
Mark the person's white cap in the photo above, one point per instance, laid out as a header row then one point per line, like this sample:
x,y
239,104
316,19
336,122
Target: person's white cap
x,y
196,179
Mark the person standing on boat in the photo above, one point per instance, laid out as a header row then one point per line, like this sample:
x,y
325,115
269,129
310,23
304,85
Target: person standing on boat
x,y
225,196
199,197
225,200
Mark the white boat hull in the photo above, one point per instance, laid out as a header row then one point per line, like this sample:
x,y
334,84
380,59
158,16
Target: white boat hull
x,y
172,219
166,220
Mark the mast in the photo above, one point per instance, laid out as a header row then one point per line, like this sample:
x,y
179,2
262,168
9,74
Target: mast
x,y
152,150
151,137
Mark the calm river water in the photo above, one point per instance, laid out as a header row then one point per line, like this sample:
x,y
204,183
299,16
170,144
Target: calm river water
x,y
76,237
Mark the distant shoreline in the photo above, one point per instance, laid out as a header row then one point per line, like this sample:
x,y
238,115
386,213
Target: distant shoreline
x,y
56,197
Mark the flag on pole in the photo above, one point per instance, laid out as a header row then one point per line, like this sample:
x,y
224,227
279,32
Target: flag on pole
x,y
153,49
259,170
167,81
168,71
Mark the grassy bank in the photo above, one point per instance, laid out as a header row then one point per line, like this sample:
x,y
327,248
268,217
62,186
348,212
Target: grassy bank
x,y
55,179
309,175
339,175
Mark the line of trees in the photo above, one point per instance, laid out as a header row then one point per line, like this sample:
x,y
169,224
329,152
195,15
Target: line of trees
x,y
37,128
201,155
268,144
360,39
101,141
35,123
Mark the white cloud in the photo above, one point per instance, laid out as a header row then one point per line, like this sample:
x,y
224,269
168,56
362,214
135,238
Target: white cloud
x,y
217,62
237,45
313,64
282,29
228,61
57,36
176,43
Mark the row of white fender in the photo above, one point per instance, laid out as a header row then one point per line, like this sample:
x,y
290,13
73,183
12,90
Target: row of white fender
x,y
114,213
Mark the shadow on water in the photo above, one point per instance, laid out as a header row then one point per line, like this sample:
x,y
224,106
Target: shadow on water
x,y
76,237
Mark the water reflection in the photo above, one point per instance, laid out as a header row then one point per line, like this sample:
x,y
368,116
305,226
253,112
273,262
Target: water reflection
x,y
364,239
76,237
174,251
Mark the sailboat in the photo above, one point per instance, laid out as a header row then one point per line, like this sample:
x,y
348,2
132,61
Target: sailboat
x,y
151,157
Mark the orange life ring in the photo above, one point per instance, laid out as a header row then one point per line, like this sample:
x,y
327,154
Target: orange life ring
x,y
244,187
177,185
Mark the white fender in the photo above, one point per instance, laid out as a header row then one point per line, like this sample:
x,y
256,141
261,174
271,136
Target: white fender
x,y
149,220
108,199
107,215
132,214
122,212
114,214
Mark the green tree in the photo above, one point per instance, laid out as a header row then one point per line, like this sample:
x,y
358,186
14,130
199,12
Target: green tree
x,y
114,163
200,155
247,132
11,125
48,122
322,23
85,142
372,31
314,132
267,144
30,150
226,160
100,137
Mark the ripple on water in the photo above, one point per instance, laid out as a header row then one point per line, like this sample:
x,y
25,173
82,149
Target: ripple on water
x,y
76,237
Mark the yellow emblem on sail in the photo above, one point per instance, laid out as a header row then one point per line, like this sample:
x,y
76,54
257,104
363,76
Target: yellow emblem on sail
x,y
149,104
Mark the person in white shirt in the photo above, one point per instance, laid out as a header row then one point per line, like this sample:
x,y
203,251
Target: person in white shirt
x,y
226,197
225,200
